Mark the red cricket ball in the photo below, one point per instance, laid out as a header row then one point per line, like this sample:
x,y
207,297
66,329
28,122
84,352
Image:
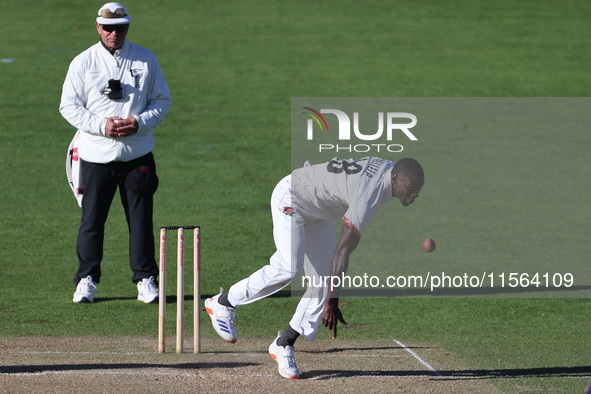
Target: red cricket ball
x,y
428,245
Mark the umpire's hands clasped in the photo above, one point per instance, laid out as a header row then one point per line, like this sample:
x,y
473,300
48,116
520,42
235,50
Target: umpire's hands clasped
x,y
118,127
332,315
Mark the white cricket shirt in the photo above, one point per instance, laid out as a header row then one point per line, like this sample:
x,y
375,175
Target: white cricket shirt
x,y
347,189
86,107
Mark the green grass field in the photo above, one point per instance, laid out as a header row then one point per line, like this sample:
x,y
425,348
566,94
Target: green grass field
x,y
232,68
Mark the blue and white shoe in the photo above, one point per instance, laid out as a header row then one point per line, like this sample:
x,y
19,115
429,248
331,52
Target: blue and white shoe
x,y
222,318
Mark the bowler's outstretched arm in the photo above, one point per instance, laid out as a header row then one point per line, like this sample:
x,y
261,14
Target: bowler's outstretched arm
x,y
347,243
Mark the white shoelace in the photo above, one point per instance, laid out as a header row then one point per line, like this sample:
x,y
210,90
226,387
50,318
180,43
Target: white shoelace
x,y
289,355
152,285
88,283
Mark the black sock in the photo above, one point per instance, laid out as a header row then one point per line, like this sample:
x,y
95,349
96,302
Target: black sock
x,y
288,337
224,301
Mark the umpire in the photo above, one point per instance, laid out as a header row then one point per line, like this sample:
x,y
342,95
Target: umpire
x,y
115,94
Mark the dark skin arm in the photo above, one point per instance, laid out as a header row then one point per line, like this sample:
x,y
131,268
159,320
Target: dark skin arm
x,y
347,243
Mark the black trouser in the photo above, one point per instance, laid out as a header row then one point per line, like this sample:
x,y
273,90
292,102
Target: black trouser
x,y
137,182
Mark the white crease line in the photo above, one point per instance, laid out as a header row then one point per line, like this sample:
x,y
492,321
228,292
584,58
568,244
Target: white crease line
x,y
211,354
357,355
94,372
61,352
370,376
417,357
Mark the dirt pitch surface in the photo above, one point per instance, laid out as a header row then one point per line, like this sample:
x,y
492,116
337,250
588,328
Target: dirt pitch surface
x,y
102,365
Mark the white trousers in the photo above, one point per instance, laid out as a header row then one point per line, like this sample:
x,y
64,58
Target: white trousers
x,y
299,247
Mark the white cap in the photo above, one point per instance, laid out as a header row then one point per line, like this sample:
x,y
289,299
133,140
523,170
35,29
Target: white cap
x,y
113,14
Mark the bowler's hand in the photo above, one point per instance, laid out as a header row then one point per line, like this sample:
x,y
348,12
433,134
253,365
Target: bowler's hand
x,y
118,127
332,315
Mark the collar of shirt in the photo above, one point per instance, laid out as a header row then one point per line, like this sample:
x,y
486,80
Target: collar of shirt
x,y
111,51
388,188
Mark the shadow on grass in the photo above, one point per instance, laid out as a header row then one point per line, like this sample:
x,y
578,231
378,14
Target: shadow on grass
x,y
15,369
348,349
171,299
279,294
546,372
582,291
109,299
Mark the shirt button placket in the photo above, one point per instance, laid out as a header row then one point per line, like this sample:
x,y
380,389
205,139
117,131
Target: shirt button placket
x,y
117,61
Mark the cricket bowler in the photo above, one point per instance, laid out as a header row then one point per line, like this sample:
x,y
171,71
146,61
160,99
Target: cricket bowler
x,y
304,207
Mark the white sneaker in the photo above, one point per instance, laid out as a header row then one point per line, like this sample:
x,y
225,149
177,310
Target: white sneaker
x,y
85,290
147,290
222,318
284,355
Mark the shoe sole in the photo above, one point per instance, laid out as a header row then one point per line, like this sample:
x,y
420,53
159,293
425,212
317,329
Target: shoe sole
x,y
213,322
84,300
147,302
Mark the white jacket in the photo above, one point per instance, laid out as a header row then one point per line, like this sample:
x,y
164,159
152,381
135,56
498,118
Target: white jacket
x,y
86,107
